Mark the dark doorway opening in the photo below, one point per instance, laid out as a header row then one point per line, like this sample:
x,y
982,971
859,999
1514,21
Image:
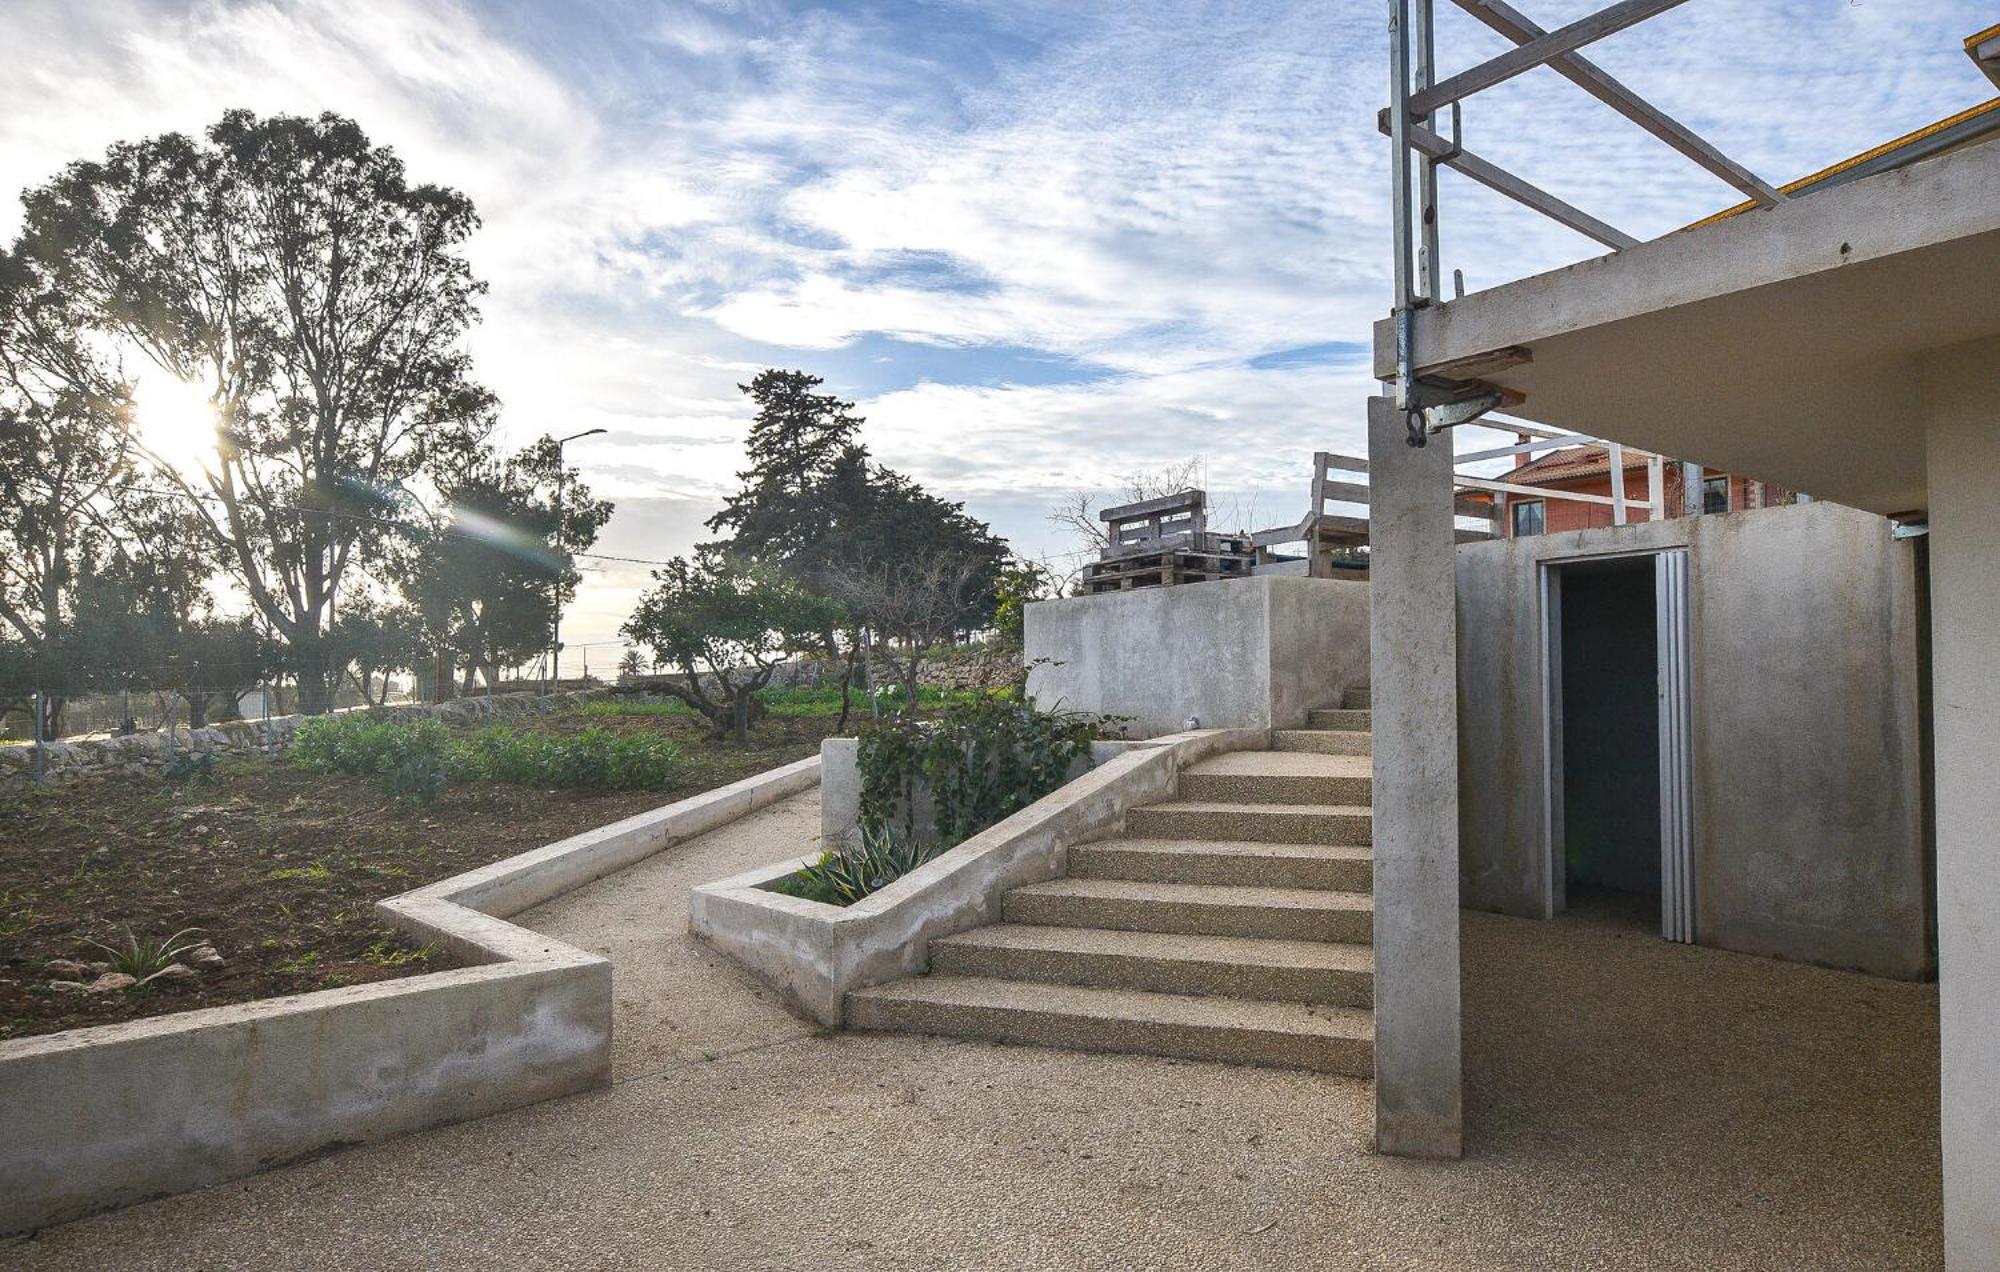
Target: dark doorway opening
x,y
1611,738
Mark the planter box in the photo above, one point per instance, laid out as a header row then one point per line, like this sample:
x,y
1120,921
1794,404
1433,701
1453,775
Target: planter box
x,y
813,954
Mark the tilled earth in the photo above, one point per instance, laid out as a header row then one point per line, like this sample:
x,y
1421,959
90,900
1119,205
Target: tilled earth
x,y
279,868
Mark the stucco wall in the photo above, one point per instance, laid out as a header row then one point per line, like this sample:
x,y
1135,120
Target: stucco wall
x,y
1806,739
1253,653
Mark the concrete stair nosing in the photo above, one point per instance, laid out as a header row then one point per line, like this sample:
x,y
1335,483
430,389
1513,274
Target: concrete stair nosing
x,y
1266,823
1234,1031
1290,914
1228,864
1228,967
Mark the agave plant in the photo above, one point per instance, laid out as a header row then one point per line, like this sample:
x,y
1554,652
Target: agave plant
x,y
140,959
846,875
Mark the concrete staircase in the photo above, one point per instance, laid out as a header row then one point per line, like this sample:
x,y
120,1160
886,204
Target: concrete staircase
x,y
1232,924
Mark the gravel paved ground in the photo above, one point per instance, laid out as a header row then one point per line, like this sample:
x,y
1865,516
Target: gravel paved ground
x,y
1633,1104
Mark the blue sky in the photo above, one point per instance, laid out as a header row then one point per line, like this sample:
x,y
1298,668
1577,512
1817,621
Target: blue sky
x,y
1043,244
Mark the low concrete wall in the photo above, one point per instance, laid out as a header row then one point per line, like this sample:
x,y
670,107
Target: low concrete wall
x,y
813,954
101,1117
1255,653
1807,739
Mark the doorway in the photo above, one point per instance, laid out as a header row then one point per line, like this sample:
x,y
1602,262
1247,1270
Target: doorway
x,y
1615,664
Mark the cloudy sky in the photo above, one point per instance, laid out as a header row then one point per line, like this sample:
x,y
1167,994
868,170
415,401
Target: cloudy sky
x,y
1044,244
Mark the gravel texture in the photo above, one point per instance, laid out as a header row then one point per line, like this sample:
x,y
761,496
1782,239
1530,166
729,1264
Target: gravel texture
x,y
1633,1104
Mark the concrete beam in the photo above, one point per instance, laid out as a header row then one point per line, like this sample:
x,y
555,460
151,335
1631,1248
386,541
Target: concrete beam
x,y
1962,409
1414,679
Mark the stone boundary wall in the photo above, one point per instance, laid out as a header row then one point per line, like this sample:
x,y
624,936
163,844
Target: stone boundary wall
x,y
116,1114
151,751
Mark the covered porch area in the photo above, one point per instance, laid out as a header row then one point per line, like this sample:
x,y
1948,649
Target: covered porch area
x,y
1845,345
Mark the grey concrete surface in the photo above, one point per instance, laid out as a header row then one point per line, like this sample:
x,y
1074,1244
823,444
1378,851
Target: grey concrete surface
x,y
675,998
1631,1104
1243,653
1963,396
1806,743
1415,725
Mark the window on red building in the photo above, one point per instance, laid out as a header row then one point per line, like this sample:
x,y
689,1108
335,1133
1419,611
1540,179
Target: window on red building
x,y
1714,494
1529,517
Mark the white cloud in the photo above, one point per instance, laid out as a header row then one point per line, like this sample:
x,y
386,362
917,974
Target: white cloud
x,y
676,192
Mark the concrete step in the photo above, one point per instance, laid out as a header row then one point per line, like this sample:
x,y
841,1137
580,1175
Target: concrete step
x,y
1258,823
1339,718
1226,966
1193,909
1356,699
1231,1030
1279,777
1333,867
1323,741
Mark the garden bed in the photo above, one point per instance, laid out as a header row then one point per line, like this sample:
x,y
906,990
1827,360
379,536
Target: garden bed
x,y
280,867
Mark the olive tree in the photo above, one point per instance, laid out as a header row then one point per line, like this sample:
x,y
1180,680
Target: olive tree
x,y
724,623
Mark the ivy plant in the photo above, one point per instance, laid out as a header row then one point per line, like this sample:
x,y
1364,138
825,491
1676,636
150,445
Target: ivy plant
x,y
981,760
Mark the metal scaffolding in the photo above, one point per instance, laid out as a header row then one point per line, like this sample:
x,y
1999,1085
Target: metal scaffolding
x,y
1431,403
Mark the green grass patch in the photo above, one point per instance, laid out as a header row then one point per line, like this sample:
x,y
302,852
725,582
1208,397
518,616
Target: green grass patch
x,y
417,758
799,703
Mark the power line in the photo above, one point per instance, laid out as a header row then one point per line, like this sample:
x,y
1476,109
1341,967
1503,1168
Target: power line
x,y
300,510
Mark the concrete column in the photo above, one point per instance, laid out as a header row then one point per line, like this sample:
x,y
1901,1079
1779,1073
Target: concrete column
x,y
1962,441
1413,641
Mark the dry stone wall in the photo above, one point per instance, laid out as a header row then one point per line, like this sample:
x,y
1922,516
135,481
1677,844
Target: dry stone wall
x,y
146,752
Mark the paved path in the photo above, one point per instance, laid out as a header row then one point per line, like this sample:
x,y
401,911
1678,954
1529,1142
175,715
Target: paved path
x,y
1635,1104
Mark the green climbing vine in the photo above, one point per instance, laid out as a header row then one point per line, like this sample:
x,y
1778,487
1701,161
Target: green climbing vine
x,y
980,761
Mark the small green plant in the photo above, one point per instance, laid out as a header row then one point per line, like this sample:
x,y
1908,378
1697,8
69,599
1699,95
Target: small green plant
x,y
139,958
191,768
388,954
418,779
595,759
314,873
982,760
361,743
300,963
844,876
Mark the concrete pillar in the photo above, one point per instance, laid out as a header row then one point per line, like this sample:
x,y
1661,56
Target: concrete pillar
x,y
1962,445
1413,642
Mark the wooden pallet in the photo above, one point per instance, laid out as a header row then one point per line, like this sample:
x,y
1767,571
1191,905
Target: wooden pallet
x,y
1166,567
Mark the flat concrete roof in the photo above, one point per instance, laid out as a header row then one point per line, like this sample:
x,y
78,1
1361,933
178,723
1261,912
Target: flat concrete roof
x,y
1781,344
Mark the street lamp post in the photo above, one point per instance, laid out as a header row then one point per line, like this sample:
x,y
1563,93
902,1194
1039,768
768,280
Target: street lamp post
x,y
555,584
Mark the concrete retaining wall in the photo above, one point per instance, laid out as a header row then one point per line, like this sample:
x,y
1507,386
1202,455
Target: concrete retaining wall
x,y
813,954
101,1117
1807,748
1255,653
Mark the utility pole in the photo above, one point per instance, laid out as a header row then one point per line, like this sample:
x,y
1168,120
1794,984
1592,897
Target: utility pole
x,y
555,584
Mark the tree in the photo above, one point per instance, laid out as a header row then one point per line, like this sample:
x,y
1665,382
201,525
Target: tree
x,y
380,639
486,577
214,658
816,507
1021,583
919,598
65,451
725,622
290,268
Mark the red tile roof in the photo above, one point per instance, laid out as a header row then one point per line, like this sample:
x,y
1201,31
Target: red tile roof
x,y
1572,463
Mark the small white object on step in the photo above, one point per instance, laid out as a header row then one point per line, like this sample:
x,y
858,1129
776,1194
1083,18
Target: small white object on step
x,y
1193,722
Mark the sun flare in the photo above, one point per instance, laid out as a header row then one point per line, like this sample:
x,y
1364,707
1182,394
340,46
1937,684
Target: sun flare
x,y
176,421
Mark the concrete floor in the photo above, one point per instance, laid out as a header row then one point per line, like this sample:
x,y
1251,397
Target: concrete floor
x,y
1633,1104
